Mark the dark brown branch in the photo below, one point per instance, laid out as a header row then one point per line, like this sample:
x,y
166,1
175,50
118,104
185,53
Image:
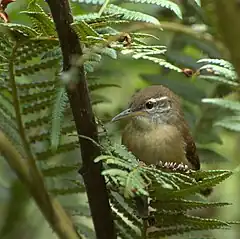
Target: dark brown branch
x,y
85,123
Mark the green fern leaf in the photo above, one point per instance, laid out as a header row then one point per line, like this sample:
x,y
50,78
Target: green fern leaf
x,y
37,122
163,3
44,94
230,123
184,205
46,154
33,48
95,2
96,85
160,62
117,202
130,15
59,170
206,183
84,230
185,223
219,79
42,23
67,190
96,21
84,30
32,69
37,85
219,70
37,106
22,30
228,104
219,62
57,117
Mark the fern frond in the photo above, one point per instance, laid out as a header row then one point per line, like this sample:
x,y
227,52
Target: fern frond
x,y
85,230
67,147
22,30
219,79
59,170
32,69
143,35
219,62
9,128
118,205
125,227
33,48
160,62
185,223
219,70
184,205
57,117
96,21
96,85
37,122
61,191
42,23
84,30
98,99
163,3
94,2
37,106
33,97
130,15
228,104
208,182
37,84
230,123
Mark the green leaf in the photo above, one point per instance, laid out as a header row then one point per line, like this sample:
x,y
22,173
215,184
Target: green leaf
x,y
42,23
57,117
163,3
130,15
210,156
161,62
230,123
228,104
59,170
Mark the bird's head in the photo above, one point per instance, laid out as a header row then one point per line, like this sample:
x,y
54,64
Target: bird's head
x,y
154,105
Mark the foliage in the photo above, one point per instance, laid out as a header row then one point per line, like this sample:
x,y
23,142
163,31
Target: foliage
x,y
35,114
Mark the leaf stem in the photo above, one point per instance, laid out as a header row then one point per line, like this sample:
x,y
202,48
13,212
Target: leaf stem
x,y
103,7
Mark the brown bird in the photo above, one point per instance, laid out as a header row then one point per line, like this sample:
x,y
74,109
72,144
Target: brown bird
x,y
157,130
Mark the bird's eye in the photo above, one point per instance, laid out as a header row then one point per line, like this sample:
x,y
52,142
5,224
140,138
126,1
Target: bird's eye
x,y
149,105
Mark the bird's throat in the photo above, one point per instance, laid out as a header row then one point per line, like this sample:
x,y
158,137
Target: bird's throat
x,y
152,143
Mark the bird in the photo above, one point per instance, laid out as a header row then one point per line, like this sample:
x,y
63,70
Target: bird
x,y
157,130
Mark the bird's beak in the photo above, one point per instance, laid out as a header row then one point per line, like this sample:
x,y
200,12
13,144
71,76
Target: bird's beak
x,y
128,113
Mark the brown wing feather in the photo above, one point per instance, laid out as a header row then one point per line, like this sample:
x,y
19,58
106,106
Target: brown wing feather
x,y
190,148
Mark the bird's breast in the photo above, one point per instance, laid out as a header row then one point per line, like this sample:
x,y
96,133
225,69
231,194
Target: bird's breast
x,y
162,143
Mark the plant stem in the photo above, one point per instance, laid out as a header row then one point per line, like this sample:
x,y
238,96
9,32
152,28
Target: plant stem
x,y
103,7
57,217
84,120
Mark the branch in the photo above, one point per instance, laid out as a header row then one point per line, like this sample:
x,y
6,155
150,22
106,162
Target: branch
x,y
227,20
51,209
183,29
85,122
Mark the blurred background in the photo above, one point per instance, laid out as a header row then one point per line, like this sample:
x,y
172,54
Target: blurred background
x,y
187,41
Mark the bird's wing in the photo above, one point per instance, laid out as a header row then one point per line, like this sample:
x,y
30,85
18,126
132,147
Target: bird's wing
x,y
190,149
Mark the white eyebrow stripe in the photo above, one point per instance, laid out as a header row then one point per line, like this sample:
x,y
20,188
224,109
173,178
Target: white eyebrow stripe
x,y
158,99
